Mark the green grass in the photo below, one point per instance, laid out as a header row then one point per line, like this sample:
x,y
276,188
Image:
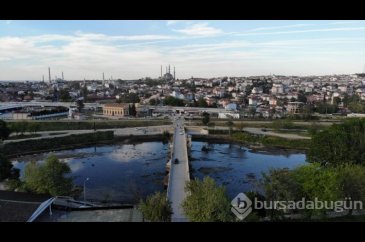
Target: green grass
x,y
39,145
271,141
99,124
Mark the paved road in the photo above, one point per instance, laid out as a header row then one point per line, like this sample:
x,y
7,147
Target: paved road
x,y
179,174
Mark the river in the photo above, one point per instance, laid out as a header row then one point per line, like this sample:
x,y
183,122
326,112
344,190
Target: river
x,y
128,172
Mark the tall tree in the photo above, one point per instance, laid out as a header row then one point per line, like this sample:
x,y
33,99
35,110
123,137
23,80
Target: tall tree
x,y
133,110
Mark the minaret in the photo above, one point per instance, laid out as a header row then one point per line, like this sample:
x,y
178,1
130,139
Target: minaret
x,y
169,70
49,74
62,77
161,71
174,72
166,70
103,78
43,78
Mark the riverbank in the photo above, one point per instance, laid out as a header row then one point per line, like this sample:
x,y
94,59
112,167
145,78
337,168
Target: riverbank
x,y
79,125
254,142
75,141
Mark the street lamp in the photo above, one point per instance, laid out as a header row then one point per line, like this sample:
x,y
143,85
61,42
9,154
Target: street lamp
x,y
85,187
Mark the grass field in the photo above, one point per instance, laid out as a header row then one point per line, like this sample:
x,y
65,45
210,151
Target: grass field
x,y
76,125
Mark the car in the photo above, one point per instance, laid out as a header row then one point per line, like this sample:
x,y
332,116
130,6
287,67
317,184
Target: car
x,y
181,133
176,161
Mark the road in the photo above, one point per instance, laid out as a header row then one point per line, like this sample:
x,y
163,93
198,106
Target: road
x,y
179,174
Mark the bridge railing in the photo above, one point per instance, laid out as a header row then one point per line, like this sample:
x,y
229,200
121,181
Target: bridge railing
x,y
171,167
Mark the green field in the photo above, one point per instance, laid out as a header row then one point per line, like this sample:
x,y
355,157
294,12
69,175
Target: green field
x,y
76,125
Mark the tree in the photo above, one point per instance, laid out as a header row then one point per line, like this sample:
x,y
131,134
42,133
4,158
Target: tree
x,y
302,97
7,171
80,104
202,103
325,108
171,101
308,181
156,208
352,182
4,130
48,178
206,202
133,111
339,144
65,95
84,92
206,118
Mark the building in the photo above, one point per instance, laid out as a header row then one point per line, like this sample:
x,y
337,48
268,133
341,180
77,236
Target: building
x,y
294,107
116,109
21,115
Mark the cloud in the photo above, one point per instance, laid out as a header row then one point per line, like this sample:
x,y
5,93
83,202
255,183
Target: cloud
x,y
171,22
8,21
87,55
282,27
343,22
200,29
301,31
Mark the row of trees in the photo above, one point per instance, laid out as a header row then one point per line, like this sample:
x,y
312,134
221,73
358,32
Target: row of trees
x,y
24,126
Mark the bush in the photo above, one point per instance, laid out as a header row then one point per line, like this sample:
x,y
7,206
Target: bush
x,y
156,208
48,178
206,202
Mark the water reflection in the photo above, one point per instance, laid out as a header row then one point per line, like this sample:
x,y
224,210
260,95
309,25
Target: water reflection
x,y
117,172
237,167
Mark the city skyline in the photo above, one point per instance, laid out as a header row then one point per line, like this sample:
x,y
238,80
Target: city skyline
x,y
136,49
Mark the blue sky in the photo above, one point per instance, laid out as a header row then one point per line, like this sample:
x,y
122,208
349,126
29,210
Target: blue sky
x,y
135,49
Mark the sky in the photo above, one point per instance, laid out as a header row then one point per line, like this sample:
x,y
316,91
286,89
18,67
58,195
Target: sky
x,y
197,48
